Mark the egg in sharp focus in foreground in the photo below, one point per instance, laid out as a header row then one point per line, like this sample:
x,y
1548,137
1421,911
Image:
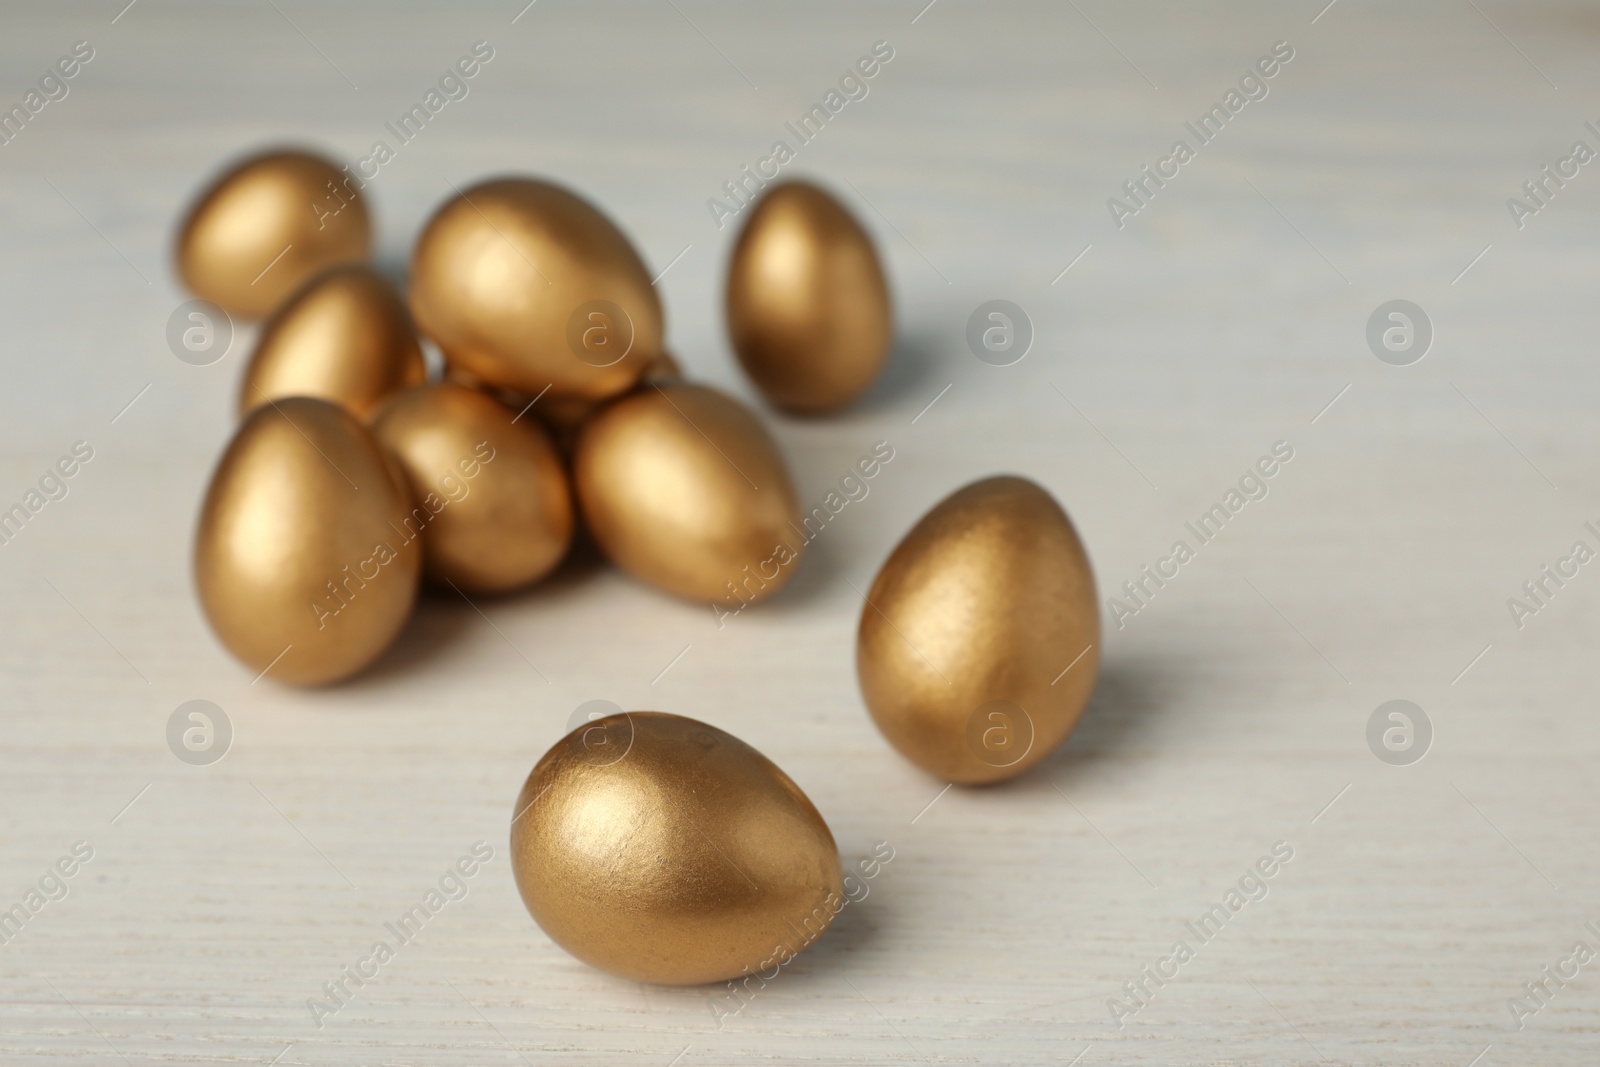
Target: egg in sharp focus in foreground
x,y
266,226
300,560
968,633
526,285
683,488
345,336
808,308
493,505
661,849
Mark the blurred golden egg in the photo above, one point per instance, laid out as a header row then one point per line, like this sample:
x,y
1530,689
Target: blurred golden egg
x,y
345,336
300,559
526,285
664,850
493,506
980,640
266,226
684,488
808,308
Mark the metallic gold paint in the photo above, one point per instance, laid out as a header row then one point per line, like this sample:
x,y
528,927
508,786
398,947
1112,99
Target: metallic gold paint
x,y
504,513
263,228
808,308
986,600
500,271
299,552
665,850
683,488
345,336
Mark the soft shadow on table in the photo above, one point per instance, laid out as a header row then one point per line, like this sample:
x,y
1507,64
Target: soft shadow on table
x,y
907,376
817,572
1131,697
856,927
393,267
428,635
442,617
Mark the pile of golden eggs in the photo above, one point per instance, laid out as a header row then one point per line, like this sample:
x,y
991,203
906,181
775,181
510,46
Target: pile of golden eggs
x,y
650,845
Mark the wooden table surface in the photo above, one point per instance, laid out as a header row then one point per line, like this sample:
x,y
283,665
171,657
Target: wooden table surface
x,y
1228,313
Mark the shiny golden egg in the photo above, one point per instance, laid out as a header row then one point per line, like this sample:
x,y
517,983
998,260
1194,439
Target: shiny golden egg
x,y
980,639
266,226
302,564
493,507
345,336
808,307
664,850
526,285
683,488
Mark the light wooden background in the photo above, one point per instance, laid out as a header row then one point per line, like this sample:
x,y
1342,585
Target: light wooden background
x,y
1230,714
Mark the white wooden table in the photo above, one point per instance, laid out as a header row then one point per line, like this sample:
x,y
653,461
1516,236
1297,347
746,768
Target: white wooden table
x,y
1227,314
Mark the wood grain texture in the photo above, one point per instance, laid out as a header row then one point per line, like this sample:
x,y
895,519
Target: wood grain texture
x,y
1223,317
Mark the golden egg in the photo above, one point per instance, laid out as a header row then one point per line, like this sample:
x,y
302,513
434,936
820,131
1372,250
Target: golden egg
x,y
266,226
494,509
345,336
527,286
684,488
979,642
664,850
808,308
301,562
